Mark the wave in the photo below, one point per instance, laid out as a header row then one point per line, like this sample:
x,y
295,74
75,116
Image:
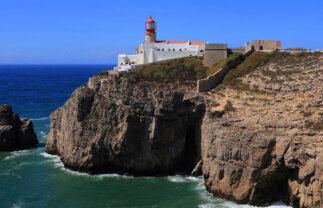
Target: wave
x,y
212,202
16,154
227,204
234,205
42,132
39,119
183,179
57,163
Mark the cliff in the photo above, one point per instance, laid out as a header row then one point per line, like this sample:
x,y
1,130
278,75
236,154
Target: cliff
x,y
115,124
15,133
257,138
268,144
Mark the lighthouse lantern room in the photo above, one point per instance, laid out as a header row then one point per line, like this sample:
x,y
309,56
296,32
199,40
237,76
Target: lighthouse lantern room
x,y
150,26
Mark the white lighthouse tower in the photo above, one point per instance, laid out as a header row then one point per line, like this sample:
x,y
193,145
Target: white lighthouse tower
x,y
150,35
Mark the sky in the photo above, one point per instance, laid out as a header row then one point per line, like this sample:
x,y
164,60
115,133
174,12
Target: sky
x,y
96,31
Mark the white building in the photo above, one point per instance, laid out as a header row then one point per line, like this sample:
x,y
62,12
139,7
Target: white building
x,y
153,51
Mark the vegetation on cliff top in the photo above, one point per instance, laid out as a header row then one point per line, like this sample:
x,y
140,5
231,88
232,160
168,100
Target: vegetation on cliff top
x,y
256,60
188,68
222,63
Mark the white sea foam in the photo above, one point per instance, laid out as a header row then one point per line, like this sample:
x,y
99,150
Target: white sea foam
x,y
39,119
279,204
18,204
45,154
182,179
16,154
226,204
212,202
57,163
42,132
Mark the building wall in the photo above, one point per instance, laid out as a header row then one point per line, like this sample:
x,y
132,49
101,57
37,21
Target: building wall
x,y
164,55
266,44
212,56
179,47
149,53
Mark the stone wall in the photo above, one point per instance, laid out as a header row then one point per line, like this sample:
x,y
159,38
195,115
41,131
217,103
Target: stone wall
x,y
205,85
214,53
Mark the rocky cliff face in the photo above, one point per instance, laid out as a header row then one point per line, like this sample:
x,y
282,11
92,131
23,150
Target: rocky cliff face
x,y
15,133
114,124
268,145
258,145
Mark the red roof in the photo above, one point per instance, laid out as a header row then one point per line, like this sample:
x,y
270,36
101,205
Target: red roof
x,y
150,20
181,42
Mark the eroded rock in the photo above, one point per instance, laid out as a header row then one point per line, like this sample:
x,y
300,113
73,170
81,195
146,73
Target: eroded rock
x,y
15,133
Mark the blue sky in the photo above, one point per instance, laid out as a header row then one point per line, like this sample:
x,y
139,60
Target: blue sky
x,y
96,31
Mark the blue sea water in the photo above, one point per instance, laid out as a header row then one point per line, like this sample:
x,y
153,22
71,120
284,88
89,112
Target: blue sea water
x,y
32,178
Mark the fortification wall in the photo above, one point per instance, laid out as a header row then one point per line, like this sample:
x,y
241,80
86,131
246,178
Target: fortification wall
x,y
236,50
266,44
212,56
214,53
212,81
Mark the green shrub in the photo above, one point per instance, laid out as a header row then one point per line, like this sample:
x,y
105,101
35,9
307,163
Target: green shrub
x,y
222,63
249,65
188,68
216,66
295,49
234,57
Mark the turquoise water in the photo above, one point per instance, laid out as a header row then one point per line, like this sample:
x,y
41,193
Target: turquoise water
x,y
32,178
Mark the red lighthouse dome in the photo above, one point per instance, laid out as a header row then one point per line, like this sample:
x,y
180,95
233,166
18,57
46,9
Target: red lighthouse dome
x,y
150,26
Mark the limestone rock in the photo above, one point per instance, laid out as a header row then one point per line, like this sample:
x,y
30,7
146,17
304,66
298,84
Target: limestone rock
x,y
270,154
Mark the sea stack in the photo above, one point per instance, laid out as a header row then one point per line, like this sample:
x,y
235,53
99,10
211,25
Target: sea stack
x,y
15,133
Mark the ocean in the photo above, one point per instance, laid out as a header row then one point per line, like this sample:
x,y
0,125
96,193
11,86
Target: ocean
x,y
33,178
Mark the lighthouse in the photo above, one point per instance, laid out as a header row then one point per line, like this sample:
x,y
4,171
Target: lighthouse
x,y
152,50
150,35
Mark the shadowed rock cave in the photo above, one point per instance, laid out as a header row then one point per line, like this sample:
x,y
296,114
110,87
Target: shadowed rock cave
x,y
192,149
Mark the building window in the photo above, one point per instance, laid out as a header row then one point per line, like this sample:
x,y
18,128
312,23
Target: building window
x,y
201,51
174,49
180,49
169,49
162,49
261,48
